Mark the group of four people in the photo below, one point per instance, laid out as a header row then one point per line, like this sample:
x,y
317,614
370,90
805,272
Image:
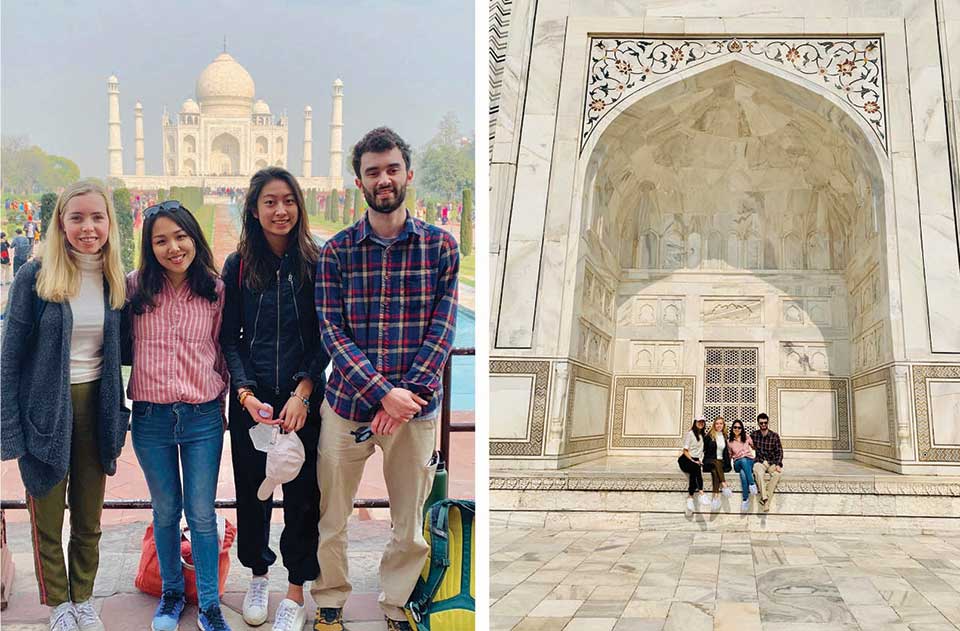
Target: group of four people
x,y
378,301
714,451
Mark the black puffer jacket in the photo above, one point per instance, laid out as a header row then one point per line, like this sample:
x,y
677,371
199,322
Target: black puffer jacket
x,y
271,339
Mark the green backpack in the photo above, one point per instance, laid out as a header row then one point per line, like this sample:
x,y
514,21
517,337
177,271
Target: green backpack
x,y
444,598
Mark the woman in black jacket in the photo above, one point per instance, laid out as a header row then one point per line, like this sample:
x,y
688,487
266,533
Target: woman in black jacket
x,y
270,339
716,459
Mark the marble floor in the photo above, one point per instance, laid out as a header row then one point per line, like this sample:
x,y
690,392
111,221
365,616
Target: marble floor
x,y
686,581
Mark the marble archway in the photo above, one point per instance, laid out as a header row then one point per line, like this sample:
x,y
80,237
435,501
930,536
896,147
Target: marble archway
x,y
731,208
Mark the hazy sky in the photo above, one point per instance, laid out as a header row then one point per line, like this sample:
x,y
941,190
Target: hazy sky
x,y
403,63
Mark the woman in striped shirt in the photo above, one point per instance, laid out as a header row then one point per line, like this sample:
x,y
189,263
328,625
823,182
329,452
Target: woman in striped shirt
x,y
178,385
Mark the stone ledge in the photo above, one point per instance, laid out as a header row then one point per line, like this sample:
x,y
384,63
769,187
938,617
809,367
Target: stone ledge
x,y
930,486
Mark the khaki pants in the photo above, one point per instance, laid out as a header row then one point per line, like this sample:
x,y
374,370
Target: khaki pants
x,y
85,484
767,489
408,475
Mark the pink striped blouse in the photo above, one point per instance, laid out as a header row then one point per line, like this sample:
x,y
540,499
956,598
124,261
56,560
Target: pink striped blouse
x,y
176,352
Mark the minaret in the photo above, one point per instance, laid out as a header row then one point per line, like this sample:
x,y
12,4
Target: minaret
x,y
114,150
336,131
307,141
138,142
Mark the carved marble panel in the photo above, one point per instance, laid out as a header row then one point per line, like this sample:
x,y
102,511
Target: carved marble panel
x,y
593,345
586,416
620,67
806,358
539,371
642,399
799,311
809,414
876,378
732,311
598,299
869,348
654,311
935,396
656,357
510,411
838,390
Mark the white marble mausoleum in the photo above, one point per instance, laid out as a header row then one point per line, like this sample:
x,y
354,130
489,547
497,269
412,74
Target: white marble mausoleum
x,y
725,208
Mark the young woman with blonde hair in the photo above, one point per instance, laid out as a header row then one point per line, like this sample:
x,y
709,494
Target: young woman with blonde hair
x,y
716,459
62,415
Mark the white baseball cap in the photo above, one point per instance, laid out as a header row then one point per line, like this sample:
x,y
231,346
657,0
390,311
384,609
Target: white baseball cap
x,y
284,461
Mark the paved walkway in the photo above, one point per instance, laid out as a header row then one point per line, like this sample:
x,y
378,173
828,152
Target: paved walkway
x,y
632,581
123,608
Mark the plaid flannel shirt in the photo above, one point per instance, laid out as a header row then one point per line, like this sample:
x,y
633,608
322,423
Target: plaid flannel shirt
x,y
387,314
768,447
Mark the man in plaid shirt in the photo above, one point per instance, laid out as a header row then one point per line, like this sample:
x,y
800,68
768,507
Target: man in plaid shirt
x,y
769,460
386,299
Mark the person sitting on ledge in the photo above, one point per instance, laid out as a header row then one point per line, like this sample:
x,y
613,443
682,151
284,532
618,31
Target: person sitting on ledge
x,y
716,459
769,460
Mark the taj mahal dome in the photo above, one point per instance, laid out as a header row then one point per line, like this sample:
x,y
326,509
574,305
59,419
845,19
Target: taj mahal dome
x,y
223,136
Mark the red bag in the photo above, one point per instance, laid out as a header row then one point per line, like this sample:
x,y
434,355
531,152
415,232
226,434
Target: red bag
x,y
148,578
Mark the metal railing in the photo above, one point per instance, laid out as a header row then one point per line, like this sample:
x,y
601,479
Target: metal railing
x,y
446,427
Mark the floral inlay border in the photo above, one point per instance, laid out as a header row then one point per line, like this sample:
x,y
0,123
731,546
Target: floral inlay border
x,y
851,68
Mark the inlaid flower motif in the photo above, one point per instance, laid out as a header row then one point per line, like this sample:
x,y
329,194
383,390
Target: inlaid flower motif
x,y
735,46
847,67
871,107
677,55
793,54
597,105
624,66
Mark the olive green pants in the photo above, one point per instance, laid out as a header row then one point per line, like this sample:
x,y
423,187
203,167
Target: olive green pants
x,y
85,483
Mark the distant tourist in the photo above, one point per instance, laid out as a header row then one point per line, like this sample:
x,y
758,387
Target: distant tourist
x,y
30,228
742,453
691,462
62,414
769,460
176,306
716,459
386,299
22,249
4,257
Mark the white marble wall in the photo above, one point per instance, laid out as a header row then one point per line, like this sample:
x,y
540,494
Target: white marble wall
x,y
550,207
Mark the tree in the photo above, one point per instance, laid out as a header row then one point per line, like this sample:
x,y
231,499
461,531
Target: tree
x,y
431,212
410,201
121,204
357,204
48,202
346,208
446,163
466,224
28,169
332,205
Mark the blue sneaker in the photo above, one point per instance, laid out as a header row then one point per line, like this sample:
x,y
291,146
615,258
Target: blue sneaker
x,y
167,615
211,619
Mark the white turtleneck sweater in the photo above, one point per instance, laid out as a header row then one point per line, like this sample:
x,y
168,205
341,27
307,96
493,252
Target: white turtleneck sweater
x,y
86,343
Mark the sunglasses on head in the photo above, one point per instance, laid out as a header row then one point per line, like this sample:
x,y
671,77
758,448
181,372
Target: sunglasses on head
x,y
171,205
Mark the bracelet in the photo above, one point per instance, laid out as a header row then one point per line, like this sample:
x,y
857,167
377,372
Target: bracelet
x,y
243,396
304,400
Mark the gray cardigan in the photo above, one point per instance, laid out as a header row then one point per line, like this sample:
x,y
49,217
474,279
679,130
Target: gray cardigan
x,y
36,411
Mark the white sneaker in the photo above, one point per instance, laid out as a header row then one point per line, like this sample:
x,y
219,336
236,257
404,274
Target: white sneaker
x,y
745,505
727,491
256,602
63,618
87,618
290,616
704,499
753,489
715,504
689,505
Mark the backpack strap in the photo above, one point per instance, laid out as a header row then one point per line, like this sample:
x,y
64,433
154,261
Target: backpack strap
x,y
439,558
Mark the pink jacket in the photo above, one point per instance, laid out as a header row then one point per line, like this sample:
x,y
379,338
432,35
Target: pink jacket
x,y
739,449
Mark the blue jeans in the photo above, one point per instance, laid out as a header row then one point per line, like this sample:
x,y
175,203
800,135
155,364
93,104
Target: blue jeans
x,y
744,466
160,431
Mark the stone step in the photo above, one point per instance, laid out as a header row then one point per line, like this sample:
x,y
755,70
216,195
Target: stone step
x,y
812,497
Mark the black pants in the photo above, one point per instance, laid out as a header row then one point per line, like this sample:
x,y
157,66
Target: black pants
x,y
301,498
695,473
